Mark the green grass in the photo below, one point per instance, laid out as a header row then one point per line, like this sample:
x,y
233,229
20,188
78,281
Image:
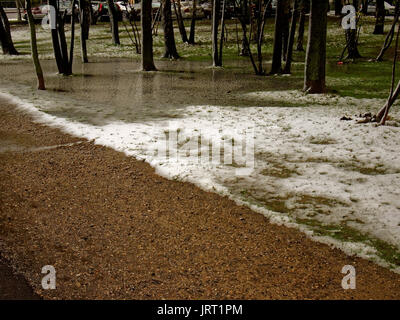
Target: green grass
x,y
360,79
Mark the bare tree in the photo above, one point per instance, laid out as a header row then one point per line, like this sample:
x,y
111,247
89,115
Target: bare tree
x,y
289,53
193,23
380,17
169,38
304,6
112,12
390,35
60,47
147,36
35,55
215,21
278,36
6,42
179,19
314,74
84,6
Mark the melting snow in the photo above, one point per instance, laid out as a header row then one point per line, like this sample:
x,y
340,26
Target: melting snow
x,y
291,164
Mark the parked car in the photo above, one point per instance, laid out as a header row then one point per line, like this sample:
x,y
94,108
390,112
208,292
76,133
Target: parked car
x,y
207,9
64,6
155,5
371,9
38,12
100,11
187,10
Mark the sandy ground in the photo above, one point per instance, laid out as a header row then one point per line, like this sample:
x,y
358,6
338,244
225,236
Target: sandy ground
x,y
115,230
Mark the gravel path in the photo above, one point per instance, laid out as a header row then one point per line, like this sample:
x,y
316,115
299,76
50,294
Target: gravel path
x,y
113,229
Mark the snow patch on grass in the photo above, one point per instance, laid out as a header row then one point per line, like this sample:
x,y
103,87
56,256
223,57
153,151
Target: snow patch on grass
x,y
336,181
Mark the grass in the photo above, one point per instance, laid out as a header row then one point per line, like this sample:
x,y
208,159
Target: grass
x,y
359,79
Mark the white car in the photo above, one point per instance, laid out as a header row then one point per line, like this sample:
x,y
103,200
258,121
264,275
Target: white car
x,y
389,9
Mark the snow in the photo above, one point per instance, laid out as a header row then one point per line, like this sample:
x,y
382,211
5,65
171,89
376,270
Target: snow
x,y
302,159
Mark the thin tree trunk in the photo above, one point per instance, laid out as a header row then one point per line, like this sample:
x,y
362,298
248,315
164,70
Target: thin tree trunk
x,y
71,48
221,43
314,74
18,5
245,18
380,17
85,25
112,12
169,37
390,35
338,7
193,24
285,28
5,34
147,37
289,54
278,37
300,36
35,55
179,19
216,9
352,39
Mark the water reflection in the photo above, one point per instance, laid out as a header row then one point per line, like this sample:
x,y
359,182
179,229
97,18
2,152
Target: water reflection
x,y
118,90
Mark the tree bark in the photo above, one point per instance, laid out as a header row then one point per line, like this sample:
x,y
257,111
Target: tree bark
x,y
300,36
285,28
35,55
169,37
338,7
85,25
352,39
215,18
18,5
112,12
147,37
6,42
193,24
314,74
380,17
179,19
289,53
245,20
278,37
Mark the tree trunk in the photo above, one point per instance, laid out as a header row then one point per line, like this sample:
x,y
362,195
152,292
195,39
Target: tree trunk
x,y
314,74
18,5
390,35
169,38
85,25
289,53
278,37
380,17
179,19
364,3
35,55
112,12
352,39
285,28
5,35
147,37
300,36
216,9
193,24
245,21
338,7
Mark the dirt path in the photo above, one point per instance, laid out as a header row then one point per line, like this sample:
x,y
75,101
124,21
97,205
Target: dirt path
x,y
114,229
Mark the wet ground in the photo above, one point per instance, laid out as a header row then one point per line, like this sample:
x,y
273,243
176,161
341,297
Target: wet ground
x,y
117,90
306,171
